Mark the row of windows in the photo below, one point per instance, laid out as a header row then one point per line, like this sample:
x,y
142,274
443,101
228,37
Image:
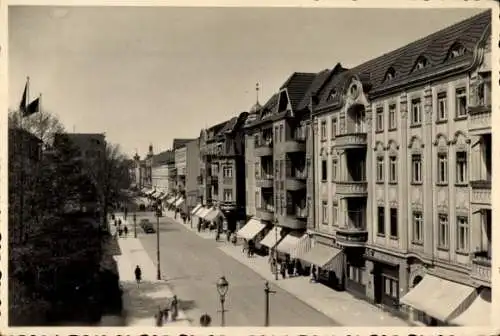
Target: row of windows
x,y
462,223
416,110
324,213
334,129
461,165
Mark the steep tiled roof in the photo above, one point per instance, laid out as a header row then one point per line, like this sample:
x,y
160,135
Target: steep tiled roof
x,y
314,88
435,48
178,143
229,126
297,85
164,157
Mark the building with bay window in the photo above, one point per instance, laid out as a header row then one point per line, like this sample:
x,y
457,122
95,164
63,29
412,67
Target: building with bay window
x,y
401,150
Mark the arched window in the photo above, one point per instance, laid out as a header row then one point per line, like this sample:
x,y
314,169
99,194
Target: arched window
x,y
421,63
390,74
456,50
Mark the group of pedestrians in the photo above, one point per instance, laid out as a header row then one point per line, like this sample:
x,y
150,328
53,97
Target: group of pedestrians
x,y
121,230
172,308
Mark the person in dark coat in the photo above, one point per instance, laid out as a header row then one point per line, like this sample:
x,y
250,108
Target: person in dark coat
x,y
138,274
125,230
174,308
159,318
283,269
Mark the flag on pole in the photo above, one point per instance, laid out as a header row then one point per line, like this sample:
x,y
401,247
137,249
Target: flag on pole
x,y
24,99
32,108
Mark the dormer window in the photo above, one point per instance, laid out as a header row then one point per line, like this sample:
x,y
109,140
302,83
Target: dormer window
x,y
391,73
332,94
421,63
456,50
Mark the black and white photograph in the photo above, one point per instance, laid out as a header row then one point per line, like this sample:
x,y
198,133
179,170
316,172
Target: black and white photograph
x,y
306,166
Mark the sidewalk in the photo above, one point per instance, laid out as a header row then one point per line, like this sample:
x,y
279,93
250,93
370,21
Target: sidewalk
x,y
342,307
141,302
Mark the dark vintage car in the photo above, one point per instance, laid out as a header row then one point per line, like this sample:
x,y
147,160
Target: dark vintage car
x,y
147,226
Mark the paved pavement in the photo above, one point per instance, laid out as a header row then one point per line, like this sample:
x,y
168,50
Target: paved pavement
x,y
192,266
141,302
344,308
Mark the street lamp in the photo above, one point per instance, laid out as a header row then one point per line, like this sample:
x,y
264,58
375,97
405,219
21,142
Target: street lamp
x,y
222,288
135,225
158,271
267,291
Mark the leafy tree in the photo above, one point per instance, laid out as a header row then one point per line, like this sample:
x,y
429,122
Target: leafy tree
x,y
42,124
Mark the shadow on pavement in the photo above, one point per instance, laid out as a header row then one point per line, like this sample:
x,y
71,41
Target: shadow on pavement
x,y
146,298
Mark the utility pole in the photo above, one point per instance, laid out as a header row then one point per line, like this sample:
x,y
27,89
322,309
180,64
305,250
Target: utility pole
x,y
267,291
135,225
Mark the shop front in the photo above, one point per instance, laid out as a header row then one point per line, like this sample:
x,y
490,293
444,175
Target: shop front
x,y
328,258
355,271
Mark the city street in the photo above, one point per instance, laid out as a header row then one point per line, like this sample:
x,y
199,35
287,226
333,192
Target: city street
x,y
192,265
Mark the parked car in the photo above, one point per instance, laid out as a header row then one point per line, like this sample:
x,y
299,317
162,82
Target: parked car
x,y
147,226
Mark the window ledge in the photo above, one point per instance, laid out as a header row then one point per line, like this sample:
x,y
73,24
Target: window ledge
x,y
393,182
416,183
460,118
418,243
379,131
381,235
394,238
462,252
392,129
442,184
415,125
443,248
465,184
441,121
380,182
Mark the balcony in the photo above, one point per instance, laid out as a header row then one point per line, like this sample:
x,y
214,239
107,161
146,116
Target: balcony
x,y
264,181
481,192
294,145
351,140
266,213
479,120
481,269
351,236
228,181
264,148
352,188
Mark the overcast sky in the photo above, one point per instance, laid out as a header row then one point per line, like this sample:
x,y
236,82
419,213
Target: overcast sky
x,y
148,75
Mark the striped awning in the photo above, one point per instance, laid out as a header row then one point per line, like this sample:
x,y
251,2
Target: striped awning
x,y
179,202
325,257
304,245
196,208
163,196
289,243
272,237
251,229
437,297
202,212
478,313
171,200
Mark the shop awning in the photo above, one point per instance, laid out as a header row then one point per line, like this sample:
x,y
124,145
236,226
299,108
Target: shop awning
x,y
156,194
478,313
213,215
270,239
304,246
163,196
196,208
171,200
437,297
251,229
150,192
179,202
289,243
325,257
202,212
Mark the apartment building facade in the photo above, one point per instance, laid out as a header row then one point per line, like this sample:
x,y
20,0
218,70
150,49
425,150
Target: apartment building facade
x,y
192,172
160,169
402,164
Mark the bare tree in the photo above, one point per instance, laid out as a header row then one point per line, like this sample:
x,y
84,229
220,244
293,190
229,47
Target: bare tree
x,y
42,124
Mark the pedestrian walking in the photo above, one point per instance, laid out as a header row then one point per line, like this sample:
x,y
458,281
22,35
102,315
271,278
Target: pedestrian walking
x,y
119,222
283,269
138,274
313,274
174,308
159,318
165,314
125,230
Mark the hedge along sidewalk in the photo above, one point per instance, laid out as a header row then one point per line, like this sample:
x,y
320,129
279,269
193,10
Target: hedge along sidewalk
x,y
141,302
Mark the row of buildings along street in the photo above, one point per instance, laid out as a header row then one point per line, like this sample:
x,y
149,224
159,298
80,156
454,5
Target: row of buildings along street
x,y
376,178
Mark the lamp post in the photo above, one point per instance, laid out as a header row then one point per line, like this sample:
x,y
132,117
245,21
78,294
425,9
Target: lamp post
x,y
267,291
222,287
135,225
158,270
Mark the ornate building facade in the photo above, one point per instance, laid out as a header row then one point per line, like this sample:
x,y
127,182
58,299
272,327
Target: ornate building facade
x,y
402,164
